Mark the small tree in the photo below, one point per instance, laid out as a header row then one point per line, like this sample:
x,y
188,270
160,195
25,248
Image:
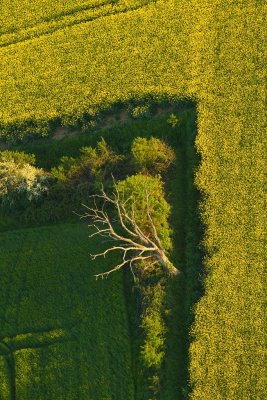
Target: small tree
x,y
152,155
138,224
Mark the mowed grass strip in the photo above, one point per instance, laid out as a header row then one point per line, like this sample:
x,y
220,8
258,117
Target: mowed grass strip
x,y
5,381
67,333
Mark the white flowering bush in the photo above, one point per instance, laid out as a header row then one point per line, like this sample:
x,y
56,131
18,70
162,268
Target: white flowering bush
x,y
19,180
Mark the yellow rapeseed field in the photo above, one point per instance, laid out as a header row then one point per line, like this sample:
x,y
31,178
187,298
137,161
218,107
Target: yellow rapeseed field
x,y
213,52
228,75
31,20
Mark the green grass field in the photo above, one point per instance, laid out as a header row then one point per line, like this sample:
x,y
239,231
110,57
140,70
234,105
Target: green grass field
x,y
64,335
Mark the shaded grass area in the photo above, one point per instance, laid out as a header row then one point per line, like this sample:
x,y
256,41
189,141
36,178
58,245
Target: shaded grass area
x,y
68,334
119,136
183,292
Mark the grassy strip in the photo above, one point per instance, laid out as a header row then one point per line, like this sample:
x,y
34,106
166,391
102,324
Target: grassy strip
x,y
183,293
119,136
5,380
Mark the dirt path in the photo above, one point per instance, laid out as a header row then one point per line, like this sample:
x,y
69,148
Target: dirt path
x,y
121,117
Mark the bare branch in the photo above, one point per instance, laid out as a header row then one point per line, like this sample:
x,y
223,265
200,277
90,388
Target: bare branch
x,y
106,274
124,249
135,245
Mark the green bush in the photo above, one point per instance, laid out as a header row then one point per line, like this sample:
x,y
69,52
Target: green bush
x,y
141,111
153,349
173,120
152,155
135,189
20,158
93,165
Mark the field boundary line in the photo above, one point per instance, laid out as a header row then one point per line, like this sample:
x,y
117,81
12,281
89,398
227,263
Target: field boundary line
x,y
60,15
105,9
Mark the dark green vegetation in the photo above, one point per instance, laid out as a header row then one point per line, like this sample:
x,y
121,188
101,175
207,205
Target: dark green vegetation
x,y
63,335
71,319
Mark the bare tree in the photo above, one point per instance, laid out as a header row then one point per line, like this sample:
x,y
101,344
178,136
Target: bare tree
x,y
132,241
